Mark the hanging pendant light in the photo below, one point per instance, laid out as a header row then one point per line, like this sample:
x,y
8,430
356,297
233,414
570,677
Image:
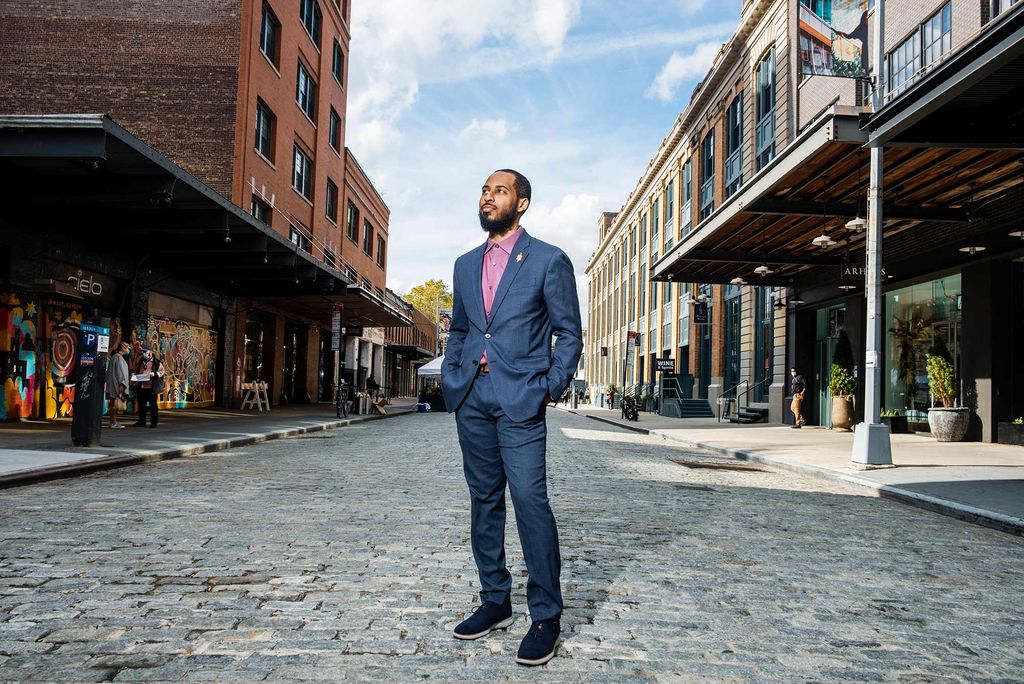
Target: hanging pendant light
x,y
847,286
763,269
824,241
856,224
971,245
1017,234
738,280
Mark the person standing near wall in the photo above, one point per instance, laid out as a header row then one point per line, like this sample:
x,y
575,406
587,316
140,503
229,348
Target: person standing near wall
x,y
149,375
117,384
798,387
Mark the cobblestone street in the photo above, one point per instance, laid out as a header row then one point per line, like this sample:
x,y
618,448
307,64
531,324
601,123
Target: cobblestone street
x,y
345,555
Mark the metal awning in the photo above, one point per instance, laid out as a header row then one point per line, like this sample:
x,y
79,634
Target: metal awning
x,y
815,186
410,351
85,173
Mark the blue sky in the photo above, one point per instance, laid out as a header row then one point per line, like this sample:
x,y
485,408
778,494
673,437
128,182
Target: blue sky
x,y
576,94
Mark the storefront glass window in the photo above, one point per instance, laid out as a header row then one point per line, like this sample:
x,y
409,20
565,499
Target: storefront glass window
x,y
919,318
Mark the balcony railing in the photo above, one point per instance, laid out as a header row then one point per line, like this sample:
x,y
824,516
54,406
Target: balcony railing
x,y
734,172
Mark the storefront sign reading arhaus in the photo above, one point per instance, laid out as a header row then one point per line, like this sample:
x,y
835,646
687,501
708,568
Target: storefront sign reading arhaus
x,y
855,273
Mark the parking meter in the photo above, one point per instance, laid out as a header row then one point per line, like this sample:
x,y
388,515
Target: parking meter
x,y
93,348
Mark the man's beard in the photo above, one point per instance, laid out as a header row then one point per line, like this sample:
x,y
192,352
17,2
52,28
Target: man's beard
x,y
498,224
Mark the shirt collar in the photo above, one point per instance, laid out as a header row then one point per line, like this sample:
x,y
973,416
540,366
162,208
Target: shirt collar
x,y
507,243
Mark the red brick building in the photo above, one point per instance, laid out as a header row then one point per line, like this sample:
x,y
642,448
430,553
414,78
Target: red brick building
x,y
249,97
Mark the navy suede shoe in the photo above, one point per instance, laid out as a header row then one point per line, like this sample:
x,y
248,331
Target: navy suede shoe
x,y
539,644
484,620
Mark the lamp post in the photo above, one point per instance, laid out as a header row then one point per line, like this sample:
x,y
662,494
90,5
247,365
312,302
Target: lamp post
x,y
871,445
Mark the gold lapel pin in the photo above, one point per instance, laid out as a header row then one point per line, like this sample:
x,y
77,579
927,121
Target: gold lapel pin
x,y
519,257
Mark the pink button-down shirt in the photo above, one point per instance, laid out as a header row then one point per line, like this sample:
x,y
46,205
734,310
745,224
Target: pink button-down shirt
x,y
496,257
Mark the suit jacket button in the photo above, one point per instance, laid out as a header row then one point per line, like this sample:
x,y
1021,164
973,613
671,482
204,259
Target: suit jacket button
x,y
487,335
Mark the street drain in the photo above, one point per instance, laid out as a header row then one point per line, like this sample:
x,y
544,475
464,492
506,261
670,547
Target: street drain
x,y
708,465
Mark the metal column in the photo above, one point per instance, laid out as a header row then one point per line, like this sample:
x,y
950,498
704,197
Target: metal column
x,y
871,445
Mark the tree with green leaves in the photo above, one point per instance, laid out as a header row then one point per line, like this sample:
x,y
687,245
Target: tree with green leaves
x,y
429,297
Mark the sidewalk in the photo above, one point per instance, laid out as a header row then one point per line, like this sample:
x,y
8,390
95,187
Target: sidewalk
x,y
34,451
981,483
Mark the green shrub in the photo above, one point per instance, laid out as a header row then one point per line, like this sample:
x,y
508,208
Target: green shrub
x,y
1019,421
891,413
842,383
941,379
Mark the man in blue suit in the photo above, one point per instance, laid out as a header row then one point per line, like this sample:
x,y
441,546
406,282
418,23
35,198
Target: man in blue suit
x,y
513,295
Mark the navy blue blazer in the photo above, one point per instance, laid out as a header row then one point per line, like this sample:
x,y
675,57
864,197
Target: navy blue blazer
x,y
535,302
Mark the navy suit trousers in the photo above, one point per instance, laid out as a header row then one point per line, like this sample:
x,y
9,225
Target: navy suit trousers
x,y
497,450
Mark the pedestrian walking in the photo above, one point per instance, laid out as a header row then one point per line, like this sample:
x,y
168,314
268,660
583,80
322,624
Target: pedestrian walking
x,y
117,384
797,387
512,294
149,377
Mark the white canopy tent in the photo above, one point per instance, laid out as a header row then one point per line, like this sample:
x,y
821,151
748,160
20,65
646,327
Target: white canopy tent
x,y
431,369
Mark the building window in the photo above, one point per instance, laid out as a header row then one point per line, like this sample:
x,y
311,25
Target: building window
x,y
937,35
266,126
764,341
260,210
687,214
305,92
654,227
334,132
643,232
299,239
670,208
707,171
352,223
734,146
332,201
642,286
338,64
367,238
309,15
380,251
765,130
302,174
330,259
904,63
270,35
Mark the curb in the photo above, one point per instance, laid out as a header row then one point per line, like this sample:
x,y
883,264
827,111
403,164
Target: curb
x,y
66,470
953,509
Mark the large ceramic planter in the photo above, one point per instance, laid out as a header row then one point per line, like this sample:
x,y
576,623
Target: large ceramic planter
x,y
948,424
842,413
1009,433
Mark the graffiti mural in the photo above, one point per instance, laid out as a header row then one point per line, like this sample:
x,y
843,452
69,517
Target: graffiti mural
x,y
61,332
18,340
189,353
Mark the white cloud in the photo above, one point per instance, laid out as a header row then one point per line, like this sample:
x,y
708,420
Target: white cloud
x,y
680,68
489,130
692,6
552,20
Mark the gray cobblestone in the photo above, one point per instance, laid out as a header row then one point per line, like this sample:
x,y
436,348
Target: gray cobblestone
x,y
348,559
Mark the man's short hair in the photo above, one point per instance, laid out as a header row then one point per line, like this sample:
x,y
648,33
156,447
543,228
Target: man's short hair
x,y
522,184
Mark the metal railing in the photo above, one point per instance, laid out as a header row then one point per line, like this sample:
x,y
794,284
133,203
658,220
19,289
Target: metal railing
x,y
731,398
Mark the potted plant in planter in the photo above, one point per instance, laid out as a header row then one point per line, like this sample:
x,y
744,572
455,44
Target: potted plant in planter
x,y
948,423
842,384
896,421
1011,433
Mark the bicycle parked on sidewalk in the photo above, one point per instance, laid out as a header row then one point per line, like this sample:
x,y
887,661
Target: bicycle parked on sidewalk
x,y
341,399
